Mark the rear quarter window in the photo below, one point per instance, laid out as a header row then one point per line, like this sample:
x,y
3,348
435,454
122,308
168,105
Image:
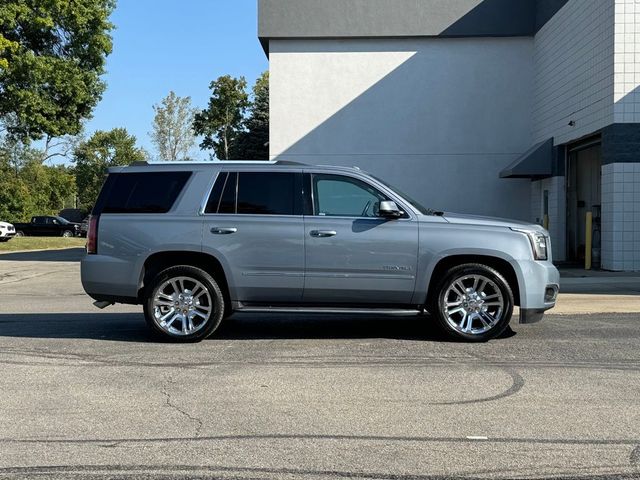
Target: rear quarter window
x,y
141,192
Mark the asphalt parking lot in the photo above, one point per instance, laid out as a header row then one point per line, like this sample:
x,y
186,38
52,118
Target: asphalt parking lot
x,y
88,393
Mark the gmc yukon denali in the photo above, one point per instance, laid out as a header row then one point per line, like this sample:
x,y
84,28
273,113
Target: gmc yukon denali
x,y
194,242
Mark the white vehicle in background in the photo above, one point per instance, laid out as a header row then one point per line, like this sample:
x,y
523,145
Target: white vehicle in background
x,y
7,231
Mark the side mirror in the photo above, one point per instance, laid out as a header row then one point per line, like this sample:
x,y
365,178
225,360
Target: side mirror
x,y
389,209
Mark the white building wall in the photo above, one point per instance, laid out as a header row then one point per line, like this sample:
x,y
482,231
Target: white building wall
x,y
438,117
573,82
627,61
621,216
621,181
573,58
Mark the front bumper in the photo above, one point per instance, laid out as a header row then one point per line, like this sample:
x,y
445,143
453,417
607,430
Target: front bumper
x,y
7,234
539,284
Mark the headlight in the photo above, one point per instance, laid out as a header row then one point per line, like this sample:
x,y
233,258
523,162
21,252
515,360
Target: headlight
x,y
538,242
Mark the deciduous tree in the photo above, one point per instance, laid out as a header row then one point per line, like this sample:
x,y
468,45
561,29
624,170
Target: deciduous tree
x,y
173,127
221,122
253,142
52,54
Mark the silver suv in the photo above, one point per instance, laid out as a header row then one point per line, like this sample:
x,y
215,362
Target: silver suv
x,y
194,242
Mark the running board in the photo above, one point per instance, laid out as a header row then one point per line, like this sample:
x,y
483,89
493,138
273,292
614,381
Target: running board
x,y
333,310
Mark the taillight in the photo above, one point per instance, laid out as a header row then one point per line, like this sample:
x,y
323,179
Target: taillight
x,y
92,235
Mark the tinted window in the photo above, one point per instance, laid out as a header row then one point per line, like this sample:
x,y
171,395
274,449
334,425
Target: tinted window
x,y
336,195
266,193
153,192
228,200
216,193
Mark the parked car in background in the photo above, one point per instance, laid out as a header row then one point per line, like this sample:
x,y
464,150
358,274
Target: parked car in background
x,y
84,226
7,231
194,242
48,226
73,215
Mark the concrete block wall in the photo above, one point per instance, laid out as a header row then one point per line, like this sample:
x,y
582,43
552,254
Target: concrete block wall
x,y
627,61
573,62
621,216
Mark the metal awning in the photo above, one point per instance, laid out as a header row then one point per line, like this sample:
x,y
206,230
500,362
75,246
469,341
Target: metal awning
x,y
537,162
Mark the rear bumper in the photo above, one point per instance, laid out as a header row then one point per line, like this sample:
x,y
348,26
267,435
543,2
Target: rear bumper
x,y
104,277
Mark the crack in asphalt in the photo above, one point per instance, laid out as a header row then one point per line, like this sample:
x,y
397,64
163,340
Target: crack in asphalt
x,y
172,405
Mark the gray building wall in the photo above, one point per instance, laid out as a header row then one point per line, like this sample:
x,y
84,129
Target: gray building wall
x,y
410,110
285,19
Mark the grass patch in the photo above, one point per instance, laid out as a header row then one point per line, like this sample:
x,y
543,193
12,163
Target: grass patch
x,y
40,243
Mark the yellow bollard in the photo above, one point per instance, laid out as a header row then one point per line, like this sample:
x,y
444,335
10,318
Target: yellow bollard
x,y
588,237
545,222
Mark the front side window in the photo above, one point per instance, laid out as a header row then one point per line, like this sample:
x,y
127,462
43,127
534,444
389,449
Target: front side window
x,y
337,195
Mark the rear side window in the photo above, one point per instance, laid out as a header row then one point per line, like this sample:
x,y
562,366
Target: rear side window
x,y
256,193
153,192
266,193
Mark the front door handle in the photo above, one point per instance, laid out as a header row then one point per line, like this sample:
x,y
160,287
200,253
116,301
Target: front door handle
x,y
323,233
223,230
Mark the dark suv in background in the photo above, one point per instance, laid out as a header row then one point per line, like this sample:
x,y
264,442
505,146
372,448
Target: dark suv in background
x,y
193,242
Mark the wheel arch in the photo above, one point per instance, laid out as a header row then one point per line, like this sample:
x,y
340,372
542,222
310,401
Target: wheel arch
x,y
500,264
159,261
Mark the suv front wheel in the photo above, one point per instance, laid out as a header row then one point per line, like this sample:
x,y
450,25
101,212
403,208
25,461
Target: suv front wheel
x,y
184,304
473,302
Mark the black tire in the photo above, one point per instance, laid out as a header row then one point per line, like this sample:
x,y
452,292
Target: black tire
x,y
5,239
210,285
67,234
20,233
465,272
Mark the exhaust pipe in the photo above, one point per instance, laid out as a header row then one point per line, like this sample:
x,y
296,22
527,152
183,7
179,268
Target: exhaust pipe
x,y
102,304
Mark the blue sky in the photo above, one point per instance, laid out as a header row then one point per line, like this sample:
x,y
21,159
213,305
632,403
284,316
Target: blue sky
x,y
163,45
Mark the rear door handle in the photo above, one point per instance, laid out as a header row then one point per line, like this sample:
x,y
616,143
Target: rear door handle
x,y
323,233
223,230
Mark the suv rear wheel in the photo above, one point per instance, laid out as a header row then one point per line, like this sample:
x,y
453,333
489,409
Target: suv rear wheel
x,y
184,304
473,302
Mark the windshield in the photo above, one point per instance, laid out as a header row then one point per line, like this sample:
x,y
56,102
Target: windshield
x,y
63,221
414,203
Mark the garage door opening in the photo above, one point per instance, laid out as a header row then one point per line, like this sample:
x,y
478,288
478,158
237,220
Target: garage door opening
x,y
583,195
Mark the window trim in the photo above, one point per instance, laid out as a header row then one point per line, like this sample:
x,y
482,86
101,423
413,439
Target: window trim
x,y
408,214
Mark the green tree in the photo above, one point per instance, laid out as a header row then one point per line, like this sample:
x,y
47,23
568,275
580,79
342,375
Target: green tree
x,y
221,122
52,54
101,151
253,142
173,127
28,187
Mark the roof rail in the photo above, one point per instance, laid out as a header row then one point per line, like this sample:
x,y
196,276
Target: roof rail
x,y
216,162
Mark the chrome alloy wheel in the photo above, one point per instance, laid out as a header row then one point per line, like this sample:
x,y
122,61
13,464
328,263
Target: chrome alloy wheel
x,y
473,304
182,306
